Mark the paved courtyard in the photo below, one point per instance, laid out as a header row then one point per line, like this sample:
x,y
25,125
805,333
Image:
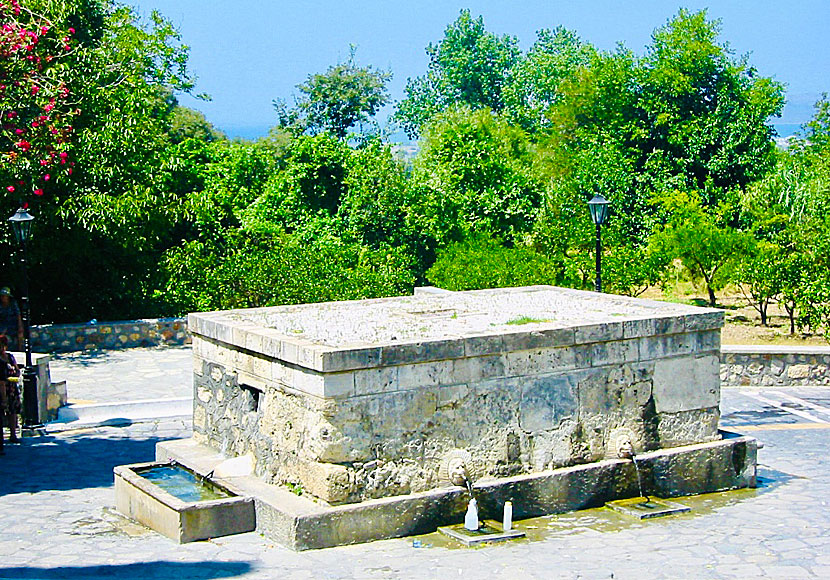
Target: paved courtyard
x,y
58,521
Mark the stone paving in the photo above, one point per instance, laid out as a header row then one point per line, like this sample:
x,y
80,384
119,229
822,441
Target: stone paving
x,y
125,375
58,521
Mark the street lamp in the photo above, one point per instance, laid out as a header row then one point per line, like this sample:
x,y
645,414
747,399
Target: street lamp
x,y
22,226
598,206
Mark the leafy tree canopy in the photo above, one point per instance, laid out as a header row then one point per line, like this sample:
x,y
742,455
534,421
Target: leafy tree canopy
x,y
335,101
469,66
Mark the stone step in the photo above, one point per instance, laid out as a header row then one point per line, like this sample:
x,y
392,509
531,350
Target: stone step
x,y
77,414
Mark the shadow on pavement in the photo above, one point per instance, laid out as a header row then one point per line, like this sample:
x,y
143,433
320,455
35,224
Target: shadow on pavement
x,y
769,478
159,569
64,463
738,419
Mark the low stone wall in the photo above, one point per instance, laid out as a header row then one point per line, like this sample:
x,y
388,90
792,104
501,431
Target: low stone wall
x,y
762,366
110,335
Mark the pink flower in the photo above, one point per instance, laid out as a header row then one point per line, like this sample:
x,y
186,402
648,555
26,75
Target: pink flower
x,y
25,145
71,31
10,189
38,192
47,177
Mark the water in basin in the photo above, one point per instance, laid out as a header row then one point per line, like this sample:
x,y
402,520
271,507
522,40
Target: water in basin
x,y
183,483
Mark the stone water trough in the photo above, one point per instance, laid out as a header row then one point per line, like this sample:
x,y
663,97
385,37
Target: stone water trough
x,y
354,413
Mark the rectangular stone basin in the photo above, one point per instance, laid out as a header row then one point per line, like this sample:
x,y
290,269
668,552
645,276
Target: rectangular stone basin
x,y
300,522
361,400
175,502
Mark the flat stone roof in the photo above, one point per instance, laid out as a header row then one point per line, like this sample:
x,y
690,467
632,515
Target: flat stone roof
x,y
449,318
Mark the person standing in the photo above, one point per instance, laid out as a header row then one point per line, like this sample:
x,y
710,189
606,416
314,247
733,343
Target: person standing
x,y
9,393
10,322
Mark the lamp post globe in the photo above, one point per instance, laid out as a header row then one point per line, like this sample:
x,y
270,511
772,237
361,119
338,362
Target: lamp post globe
x,y
21,223
598,206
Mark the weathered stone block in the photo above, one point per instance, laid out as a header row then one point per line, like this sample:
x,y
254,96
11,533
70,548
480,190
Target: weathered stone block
x,y
524,340
541,361
598,332
798,371
546,401
616,352
686,384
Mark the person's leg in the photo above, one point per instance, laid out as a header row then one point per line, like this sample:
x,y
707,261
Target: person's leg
x,y
14,408
3,407
13,428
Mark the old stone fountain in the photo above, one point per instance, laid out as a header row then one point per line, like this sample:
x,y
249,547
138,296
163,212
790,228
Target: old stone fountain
x,y
350,415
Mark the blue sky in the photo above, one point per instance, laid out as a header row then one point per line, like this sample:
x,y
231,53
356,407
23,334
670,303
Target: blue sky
x,y
247,53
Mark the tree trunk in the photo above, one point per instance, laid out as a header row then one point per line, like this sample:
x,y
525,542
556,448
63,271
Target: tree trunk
x,y
708,279
790,308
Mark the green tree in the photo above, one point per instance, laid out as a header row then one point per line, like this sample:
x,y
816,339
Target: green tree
x,y
535,80
708,249
335,101
759,276
481,262
475,175
186,123
469,66
107,219
708,111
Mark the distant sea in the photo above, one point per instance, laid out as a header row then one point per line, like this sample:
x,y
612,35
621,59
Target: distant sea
x,y
254,132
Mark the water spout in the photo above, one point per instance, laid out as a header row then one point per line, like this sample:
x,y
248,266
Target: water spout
x,y
625,450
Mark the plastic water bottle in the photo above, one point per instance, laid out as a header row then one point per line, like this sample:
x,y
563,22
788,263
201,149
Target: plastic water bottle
x,y
471,517
507,520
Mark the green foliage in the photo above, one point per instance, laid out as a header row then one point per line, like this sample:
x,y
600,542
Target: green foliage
x,y
251,271
469,66
481,262
535,80
337,100
631,270
709,250
186,123
309,185
707,110
759,276
375,210
162,215
475,171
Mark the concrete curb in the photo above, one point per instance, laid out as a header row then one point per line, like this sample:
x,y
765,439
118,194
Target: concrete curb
x,y
72,416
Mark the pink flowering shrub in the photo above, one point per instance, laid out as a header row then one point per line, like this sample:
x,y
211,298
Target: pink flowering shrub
x,y
36,106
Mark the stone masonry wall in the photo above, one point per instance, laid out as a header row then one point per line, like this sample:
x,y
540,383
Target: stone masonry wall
x,y
515,408
760,366
110,335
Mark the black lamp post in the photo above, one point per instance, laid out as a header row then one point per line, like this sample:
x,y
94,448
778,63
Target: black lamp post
x,y
22,226
598,206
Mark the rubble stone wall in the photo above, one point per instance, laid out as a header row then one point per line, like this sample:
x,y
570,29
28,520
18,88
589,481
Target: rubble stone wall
x,y
763,366
110,335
